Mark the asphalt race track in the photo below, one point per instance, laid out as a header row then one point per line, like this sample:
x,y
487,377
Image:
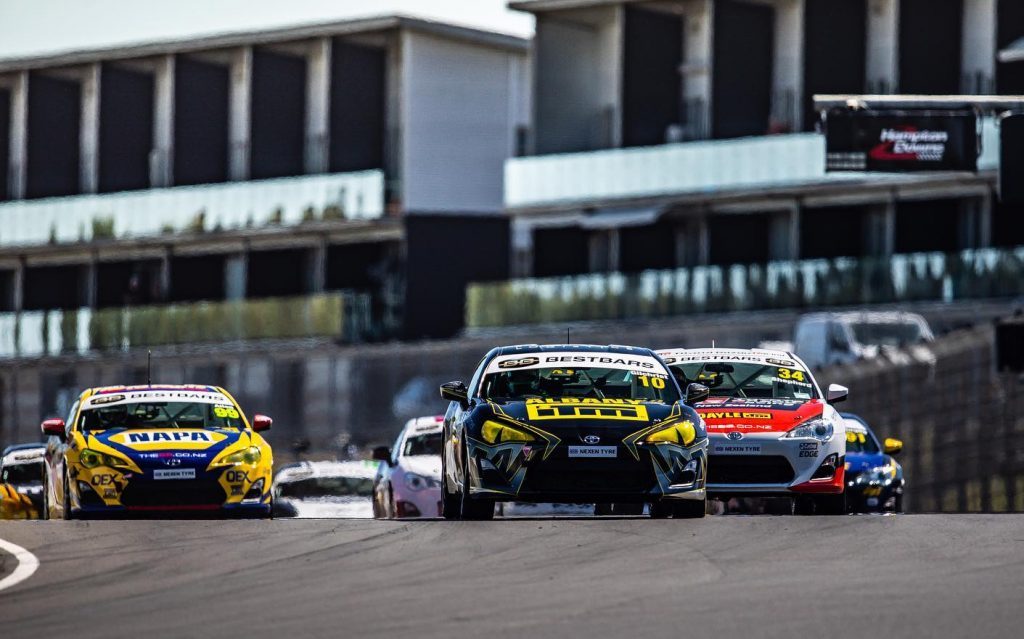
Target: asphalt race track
x,y
906,576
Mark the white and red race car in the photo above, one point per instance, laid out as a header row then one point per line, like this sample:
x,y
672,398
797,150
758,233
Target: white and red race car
x,y
771,430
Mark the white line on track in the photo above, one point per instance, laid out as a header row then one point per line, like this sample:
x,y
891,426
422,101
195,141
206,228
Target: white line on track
x,y
27,564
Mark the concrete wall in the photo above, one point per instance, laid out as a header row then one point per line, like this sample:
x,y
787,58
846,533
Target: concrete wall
x,y
458,108
577,80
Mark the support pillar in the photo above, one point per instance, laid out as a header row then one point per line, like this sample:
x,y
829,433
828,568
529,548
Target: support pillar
x,y
880,229
240,115
784,235
788,70
236,275
89,136
161,160
88,284
18,287
883,46
698,21
976,222
318,99
978,53
522,249
16,177
604,251
316,268
165,276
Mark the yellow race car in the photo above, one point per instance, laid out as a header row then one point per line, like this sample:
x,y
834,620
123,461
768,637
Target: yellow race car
x,y
128,449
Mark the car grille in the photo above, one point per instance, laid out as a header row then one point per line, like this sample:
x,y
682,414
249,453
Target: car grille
x,y
576,476
744,469
186,492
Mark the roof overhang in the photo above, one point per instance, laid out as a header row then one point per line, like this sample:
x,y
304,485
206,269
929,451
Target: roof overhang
x,y
269,36
1014,52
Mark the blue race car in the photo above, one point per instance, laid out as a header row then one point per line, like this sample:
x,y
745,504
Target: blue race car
x,y
874,480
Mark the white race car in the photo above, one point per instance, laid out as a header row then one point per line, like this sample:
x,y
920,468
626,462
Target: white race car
x,y
771,431
408,483
325,490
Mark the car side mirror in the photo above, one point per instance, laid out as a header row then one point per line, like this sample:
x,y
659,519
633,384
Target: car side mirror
x,y
456,392
837,393
54,428
383,454
892,446
261,423
696,393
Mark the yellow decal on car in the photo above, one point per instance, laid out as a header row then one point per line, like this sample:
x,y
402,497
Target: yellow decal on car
x,y
163,439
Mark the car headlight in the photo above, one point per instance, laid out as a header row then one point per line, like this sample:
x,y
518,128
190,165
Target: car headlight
x,y
249,456
497,433
819,429
94,459
883,474
419,482
678,433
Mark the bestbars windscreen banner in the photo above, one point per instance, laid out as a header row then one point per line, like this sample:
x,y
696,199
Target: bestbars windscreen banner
x,y
901,140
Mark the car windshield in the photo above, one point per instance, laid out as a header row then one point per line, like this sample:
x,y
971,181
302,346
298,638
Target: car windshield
x,y
887,333
22,474
857,441
598,383
161,415
426,444
313,487
736,379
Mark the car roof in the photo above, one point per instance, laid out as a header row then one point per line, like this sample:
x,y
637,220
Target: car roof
x,y
24,452
855,422
571,348
103,390
866,316
727,353
308,469
427,424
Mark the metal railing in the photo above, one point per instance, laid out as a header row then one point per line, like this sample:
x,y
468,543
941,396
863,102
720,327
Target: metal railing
x,y
233,205
970,274
342,317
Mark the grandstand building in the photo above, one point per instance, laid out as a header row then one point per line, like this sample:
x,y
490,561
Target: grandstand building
x,y
264,164
681,133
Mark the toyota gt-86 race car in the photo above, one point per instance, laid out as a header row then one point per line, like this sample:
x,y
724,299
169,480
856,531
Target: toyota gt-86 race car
x,y
572,424
772,432
157,448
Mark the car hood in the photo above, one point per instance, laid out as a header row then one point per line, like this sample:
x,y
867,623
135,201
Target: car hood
x,y
861,462
425,465
571,419
755,415
149,445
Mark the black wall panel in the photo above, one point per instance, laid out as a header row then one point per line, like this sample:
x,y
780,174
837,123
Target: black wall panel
x,y
742,75
126,129
358,107
652,84
201,104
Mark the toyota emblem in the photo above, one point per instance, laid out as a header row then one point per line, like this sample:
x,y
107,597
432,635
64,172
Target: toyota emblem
x,y
591,439
172,462
734,435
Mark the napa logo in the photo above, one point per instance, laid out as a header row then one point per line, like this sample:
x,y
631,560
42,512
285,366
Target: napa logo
x,y
164,439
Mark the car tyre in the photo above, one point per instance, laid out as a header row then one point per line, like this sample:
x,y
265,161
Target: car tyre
x,y
472,509
67,500
830,504
660,510
690,509
898,505
451,503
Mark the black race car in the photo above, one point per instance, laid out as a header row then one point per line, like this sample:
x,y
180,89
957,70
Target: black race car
x,y
573,424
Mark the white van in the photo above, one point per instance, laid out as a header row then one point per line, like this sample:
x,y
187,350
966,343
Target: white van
x,y
826,339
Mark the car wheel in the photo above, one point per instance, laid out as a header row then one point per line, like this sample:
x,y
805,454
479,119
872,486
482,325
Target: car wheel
x,y
476,509
451,503
602,510
898,506
660,510
67,500
45,514
690,509
830,504
803,506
